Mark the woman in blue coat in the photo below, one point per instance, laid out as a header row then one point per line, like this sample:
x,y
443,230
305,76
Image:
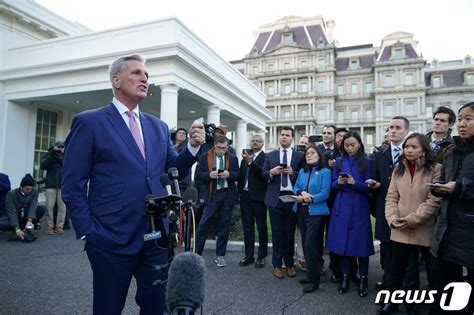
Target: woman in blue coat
x,y
350,232
312,189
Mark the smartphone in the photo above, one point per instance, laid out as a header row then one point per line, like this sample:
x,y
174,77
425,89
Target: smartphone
x,y
247,151
342,174
371,182
300,148
220,171
315,139
283,165
199,120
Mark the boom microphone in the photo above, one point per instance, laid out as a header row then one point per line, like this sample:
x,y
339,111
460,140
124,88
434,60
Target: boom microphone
x,y
185,286
173,175
166,183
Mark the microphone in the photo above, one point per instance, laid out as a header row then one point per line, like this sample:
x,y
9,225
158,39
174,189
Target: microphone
x,y
150,216
173,175
185,286
166,183
190,196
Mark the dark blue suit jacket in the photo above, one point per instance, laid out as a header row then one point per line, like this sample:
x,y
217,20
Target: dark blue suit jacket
x,y
272,160
383,169
202,173
105,177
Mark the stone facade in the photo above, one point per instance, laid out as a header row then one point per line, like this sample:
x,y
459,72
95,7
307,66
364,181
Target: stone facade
x,y
310,81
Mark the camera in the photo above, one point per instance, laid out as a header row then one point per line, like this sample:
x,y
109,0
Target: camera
x,y
209,131
315,139
300,148
247,151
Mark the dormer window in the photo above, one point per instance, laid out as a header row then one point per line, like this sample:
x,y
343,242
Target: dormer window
x,y
467,60
436,81
469,78
397,54
287,36
354,64
321,43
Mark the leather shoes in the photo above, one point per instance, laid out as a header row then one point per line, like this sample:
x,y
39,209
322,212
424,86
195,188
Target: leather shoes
x,y
260,263
362,291
311,287
278,273
344,285
387,309
246,261
291,272
304,281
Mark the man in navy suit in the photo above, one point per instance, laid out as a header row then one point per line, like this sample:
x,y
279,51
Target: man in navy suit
x,y
114,157
252,188
218,170
281,168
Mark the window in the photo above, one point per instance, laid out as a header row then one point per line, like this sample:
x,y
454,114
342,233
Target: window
x,y
303,110
354,89
388,80
409,79
304,87
470,79
398,53
321,63
46,125
409,109
429,111
355,114
340,115
254,69
388,110
321,86
369,140
369,114
287,38
287,114
286,89
436,81
368,87
286,66
354,64
270,67
303,64
340,89
270,90
321,114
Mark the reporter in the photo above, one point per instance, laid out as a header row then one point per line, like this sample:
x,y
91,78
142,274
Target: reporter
x,y
410,210
350,232
453,239
312,188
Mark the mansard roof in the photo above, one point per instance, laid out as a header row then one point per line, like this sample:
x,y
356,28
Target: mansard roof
x,y
365,62
386,53
451,78
300,38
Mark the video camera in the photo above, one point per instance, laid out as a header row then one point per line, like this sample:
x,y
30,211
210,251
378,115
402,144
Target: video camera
x,y
209,131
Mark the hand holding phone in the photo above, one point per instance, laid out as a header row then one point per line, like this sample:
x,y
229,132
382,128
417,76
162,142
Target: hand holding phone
x,y
283,165
344,175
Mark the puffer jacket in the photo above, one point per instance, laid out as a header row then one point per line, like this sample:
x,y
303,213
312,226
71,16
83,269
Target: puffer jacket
x,y
453,238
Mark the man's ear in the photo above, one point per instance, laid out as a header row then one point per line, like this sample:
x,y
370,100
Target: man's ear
x,y
115,81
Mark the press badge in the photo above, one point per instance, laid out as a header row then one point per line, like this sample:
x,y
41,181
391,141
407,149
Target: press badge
x,y
152,236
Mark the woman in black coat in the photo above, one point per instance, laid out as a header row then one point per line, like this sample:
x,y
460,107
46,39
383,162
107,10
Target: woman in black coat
x,y
453,239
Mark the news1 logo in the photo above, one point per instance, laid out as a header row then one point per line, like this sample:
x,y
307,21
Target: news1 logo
x,y
454,297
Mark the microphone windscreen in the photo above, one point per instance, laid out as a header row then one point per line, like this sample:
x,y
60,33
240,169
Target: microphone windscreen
x,y
165,180
190,195
173,173
185,286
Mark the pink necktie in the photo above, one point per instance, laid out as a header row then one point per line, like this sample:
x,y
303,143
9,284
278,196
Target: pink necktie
x,y
136,132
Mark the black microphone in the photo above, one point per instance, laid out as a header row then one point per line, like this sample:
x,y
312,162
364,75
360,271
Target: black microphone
x,y
173,175
185,286
166,183
152,221
190,196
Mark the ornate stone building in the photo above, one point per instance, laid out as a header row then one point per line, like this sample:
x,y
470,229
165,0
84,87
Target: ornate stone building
x,y
310,81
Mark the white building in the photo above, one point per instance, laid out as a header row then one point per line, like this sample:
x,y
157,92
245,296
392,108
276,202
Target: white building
x,y
52,68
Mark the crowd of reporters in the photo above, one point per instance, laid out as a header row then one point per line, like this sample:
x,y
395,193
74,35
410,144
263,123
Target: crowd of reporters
x,y
423,210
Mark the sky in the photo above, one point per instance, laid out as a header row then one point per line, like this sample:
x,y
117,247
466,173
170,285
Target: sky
x,y
443,28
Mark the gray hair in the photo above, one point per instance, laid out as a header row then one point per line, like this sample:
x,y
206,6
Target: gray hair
x,y
257,135
117,65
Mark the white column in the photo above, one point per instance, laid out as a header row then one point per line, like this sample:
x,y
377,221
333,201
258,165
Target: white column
x,y
242,141
169,105
262,133
213,115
